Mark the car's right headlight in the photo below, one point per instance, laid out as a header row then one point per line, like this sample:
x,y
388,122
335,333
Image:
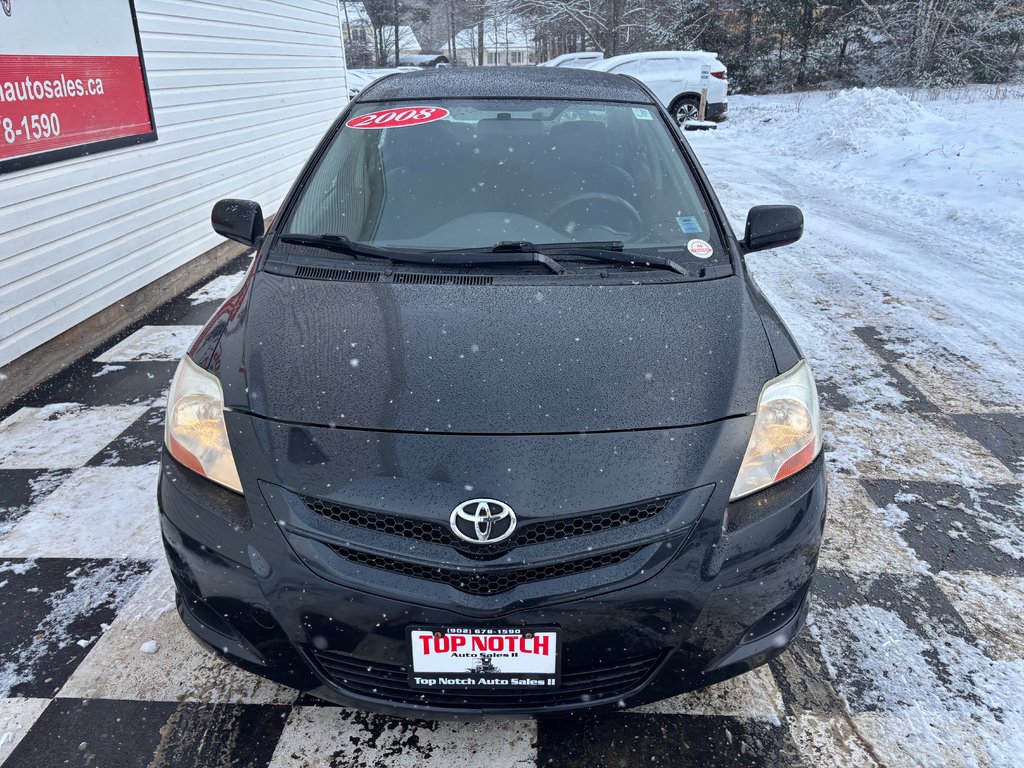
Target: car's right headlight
x,y
194,429
786,435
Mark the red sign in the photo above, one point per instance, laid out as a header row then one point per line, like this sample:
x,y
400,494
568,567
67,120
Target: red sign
x,y
48,102
398,118
71,81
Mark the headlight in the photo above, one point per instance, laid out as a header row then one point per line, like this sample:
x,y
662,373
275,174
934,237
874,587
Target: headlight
x,y
787,432
194,430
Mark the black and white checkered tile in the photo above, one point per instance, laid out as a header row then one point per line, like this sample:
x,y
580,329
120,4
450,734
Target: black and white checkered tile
x,y
914,653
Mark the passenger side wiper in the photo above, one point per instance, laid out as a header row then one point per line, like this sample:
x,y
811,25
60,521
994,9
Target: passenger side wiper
x,y
469,258
608,250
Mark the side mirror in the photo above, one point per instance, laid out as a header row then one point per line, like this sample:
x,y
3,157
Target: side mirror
x,y
239,220
769,226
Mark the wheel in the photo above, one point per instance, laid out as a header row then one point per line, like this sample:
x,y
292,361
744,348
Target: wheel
x,y
686,109
7,6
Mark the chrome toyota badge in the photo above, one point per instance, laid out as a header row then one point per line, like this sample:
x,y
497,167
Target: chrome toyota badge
x,y
483,521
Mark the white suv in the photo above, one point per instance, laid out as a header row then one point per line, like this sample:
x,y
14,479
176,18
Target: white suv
x,y
578,60
674,76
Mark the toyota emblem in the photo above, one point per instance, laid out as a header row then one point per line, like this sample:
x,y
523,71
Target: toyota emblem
x,y
483,521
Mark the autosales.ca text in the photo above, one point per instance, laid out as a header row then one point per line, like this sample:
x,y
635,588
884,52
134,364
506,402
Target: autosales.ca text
x,y
36,90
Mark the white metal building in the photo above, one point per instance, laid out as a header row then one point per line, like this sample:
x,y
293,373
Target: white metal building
x,y
241,90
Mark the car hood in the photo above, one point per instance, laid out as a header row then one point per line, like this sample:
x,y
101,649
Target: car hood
x,y
511,359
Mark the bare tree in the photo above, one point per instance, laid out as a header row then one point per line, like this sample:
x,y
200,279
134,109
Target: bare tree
x,y
780,44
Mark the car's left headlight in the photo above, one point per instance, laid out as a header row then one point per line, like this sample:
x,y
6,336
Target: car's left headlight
x,y
787,432
194,431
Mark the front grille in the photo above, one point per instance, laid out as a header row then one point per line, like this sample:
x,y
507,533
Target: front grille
x,y
407,527
486,581
562,528
529,533
390,682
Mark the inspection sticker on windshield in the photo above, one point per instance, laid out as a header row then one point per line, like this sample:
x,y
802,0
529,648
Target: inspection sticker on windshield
x,y
689,225
483,657
398,118
700,248
642,114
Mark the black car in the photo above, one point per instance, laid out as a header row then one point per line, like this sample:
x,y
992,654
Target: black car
x,y
497,422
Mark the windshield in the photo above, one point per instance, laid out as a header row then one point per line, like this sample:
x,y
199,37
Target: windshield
x,y
460,174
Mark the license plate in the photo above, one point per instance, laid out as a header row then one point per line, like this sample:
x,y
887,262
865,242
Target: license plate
x,y
484,657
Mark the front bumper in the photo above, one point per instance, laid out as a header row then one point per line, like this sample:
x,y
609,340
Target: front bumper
x,y
731,594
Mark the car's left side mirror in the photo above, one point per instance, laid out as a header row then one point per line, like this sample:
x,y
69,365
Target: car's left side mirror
x,y
769,226
238,220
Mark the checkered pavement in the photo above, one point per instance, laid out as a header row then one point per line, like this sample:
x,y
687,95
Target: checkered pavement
x,y
913,654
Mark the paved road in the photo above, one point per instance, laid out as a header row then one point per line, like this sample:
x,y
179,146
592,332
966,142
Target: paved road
x,y
913,655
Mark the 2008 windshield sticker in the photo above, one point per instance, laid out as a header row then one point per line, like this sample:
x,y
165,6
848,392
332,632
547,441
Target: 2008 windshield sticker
x,y
700,248
398,118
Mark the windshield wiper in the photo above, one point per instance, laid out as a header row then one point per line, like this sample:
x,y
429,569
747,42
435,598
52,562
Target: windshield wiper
x,y
338,244
468,258
606,250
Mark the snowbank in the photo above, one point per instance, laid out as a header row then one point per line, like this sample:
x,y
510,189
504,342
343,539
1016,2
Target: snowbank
x,y
964,154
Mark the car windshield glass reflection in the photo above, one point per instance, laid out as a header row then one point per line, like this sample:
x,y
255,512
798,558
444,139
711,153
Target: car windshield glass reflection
x,y
514,170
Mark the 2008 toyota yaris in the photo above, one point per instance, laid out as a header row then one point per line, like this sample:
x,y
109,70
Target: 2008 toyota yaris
x,y
497,422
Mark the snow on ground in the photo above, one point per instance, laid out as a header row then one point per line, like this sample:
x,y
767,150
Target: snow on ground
x,y
152,342
217,289
61,434
106,586
65,523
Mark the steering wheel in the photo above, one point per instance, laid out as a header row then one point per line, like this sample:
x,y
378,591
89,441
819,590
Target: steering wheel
x,y
610,202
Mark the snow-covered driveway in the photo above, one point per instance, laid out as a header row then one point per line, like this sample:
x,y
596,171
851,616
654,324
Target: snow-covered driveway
x,y
906,294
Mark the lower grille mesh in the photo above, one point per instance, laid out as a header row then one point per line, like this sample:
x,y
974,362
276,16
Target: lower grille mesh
x,y
390,682
485,582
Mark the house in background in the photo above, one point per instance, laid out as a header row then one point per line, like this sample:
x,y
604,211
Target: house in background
x,y
508,41
363,48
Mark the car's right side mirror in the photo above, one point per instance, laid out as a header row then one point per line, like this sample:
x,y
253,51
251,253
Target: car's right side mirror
x,y
769,226
238,220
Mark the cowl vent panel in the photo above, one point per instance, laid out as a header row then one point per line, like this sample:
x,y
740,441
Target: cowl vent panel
x,y
415,278
343,275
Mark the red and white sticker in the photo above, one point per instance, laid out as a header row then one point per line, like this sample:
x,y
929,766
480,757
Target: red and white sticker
x,y
700,248
398,118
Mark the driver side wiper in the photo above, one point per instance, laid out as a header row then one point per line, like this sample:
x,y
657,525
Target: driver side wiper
x,y
338,244
468,258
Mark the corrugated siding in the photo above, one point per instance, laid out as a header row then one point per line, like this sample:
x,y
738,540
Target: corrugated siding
x,y
241,89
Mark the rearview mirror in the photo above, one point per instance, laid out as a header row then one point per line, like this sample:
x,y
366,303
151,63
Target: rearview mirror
x,y
769,226
238,220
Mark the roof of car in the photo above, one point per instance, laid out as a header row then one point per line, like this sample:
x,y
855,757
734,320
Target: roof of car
x,y
614,60
506,83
